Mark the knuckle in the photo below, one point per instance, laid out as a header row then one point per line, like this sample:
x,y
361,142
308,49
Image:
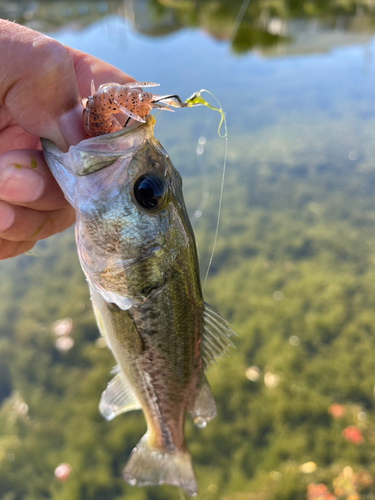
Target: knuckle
x,y
52,57
50,78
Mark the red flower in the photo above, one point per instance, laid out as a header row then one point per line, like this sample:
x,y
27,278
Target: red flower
x,y
319,492
337,411
62,472
352,434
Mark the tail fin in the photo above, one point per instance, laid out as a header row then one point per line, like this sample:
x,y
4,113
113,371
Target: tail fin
x,y
147,466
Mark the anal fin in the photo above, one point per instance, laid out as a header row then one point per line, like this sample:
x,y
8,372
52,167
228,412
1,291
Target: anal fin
x,y
204,408
115,370
216,336
117,398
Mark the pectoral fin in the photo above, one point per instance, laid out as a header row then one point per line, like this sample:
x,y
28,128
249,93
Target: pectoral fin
x,y
117,398
215,338
99,318
116,326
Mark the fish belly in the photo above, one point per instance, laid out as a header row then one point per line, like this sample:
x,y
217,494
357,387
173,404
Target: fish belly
x,y
157,346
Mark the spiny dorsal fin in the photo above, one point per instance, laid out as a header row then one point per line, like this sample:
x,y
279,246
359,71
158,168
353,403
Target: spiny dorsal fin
x,y
117,398
216,333
204,408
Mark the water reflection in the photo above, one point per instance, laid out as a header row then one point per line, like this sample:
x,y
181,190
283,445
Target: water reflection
x,y
279,27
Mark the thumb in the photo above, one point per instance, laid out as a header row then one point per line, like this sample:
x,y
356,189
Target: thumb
x,y
38,85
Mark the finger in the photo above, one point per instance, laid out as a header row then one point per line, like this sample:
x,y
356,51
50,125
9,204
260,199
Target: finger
x,y
26,180
89,68
25,224
38,84
10,249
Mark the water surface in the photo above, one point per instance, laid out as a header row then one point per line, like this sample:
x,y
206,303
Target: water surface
x,y
293,271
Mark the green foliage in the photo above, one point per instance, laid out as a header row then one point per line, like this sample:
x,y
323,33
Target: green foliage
x,y
294,260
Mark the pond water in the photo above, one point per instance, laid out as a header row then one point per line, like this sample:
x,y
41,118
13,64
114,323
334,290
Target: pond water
x,y
294,268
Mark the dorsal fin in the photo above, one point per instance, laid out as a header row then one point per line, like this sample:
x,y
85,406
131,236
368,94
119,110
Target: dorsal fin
x,y
215,338
117,398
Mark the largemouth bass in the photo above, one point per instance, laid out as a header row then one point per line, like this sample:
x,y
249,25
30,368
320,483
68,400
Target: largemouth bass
x,y
137,250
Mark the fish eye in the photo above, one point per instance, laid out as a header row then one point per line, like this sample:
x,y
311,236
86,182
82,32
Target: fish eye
x,y
149,191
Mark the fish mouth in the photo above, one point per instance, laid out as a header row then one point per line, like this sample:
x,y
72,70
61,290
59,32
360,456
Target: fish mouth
x,y
129,129
95,153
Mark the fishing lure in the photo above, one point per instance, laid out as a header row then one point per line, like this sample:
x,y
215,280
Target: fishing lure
x,y
111,99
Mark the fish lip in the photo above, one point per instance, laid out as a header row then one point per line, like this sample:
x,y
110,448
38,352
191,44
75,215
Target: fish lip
x,y
129,129
95,153
46,143
114,135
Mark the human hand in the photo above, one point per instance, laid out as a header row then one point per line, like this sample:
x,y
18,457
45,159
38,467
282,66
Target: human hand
x,y
41,85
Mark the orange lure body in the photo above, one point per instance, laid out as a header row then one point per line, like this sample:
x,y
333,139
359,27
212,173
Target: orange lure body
x,y
111,99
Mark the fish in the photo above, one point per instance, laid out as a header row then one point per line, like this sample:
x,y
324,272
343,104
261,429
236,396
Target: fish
x,y
137,249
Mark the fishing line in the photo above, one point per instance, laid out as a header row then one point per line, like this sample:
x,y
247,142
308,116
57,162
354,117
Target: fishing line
x,y
225,136
31,253
197,99
200,149
239,18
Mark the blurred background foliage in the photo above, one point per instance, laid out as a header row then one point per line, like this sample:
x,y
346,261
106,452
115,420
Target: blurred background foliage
x,y
294,269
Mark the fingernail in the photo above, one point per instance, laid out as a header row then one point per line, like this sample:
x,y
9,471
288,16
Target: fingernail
x,y
20,185
71,125
6,216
